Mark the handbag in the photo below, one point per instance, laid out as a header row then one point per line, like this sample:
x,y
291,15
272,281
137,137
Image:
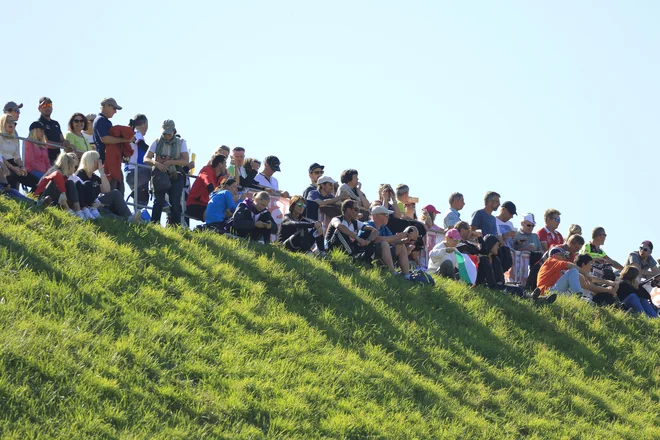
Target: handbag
x,y
160,180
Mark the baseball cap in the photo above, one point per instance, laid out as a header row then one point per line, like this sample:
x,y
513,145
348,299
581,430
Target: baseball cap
x,y
45,99
453,233
11,105
431,209
111,102
91,117
168,126
558,250
273,162
37,124
530,218
381,210
314,166
510,207
325,179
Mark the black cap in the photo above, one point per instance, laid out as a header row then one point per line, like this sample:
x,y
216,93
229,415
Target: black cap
x,y
314,166
37,124
273,162
510,207
45,99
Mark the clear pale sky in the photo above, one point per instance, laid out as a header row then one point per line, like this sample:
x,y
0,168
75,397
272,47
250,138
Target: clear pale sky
x,y
551,104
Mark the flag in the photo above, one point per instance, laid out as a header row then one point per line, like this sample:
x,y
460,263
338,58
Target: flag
x,y
466,268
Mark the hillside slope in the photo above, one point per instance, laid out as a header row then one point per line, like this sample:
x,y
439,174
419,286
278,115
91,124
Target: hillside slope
x,y
117,331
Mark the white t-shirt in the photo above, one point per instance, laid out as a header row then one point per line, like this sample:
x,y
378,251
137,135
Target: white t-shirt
x,y
272,184
134,158
336,222
503,228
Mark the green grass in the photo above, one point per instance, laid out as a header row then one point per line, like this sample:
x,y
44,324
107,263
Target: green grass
x,y
117,331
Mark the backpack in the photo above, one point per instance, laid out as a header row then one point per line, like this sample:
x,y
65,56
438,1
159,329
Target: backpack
x,y
420,276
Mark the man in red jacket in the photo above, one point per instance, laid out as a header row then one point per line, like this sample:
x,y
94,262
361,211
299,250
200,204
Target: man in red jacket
x,y
207,181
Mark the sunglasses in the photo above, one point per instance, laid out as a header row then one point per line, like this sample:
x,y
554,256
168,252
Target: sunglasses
x,y
557,219
15,110
302,205
644,249
79,121
529,225
47,105
320,173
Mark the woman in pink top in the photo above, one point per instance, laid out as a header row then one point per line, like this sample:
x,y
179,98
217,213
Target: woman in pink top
x,y
36,155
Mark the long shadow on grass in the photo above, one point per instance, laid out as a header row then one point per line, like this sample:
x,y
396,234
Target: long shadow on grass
x,y
32,260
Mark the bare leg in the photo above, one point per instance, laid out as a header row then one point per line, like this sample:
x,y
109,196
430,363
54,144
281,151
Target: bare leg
x,y
402,255
386,256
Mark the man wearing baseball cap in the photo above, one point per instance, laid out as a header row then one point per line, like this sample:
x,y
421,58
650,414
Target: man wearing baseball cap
x,y
323,196
315,172
505,228
52,129
389,247
526,240
266,178
102,126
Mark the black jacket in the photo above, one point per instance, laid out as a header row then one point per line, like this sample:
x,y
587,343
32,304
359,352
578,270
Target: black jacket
x,y
490,272
289,226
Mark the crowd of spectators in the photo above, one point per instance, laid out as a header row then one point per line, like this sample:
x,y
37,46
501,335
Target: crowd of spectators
x,y
84,173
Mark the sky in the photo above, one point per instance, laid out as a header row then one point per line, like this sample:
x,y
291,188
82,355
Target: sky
x,y
551,104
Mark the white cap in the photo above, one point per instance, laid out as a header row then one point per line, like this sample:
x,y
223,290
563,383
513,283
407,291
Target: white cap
x,y
529,218
381,210
325,179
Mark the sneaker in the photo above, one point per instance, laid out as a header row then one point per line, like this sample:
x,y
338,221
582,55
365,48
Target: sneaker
x,y
78,214
45,201
546,300
96,204
95,213
536,294
88,215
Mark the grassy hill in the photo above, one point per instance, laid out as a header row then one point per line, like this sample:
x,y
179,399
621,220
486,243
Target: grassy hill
x,y
117,331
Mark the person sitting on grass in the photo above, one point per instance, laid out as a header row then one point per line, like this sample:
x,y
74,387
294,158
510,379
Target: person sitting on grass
x,y
299,234
252,219
222,204
343,233
490,272
442,258
632,296
389,247
643,260
55,186
526,240
559,275
601,292
95,192
207,181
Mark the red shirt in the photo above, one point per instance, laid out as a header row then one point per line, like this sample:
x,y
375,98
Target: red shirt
x,y
552,238
550,273
55,176
205,184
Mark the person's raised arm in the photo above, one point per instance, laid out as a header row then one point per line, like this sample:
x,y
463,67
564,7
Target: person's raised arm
x,y
614,264
105,184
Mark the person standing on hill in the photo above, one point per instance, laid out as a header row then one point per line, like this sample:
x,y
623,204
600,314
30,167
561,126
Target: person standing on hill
x,y
549,235
315,172
102,125
140,125
52,129
483,220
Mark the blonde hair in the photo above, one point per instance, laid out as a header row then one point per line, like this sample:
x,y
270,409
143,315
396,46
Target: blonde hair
x,y
88,162
65,164
3,122
33,136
